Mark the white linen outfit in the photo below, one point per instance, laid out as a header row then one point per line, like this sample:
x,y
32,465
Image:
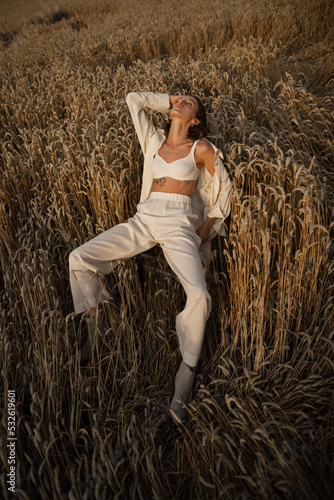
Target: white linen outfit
x,y
168,219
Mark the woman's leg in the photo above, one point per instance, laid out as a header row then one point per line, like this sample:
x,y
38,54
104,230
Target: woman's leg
x,y
181,251
100,255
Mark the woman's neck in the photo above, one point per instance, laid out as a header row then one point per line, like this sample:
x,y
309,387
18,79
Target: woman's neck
x,y
178,134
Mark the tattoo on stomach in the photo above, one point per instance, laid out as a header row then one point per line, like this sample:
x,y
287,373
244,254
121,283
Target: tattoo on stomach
x,y
160,181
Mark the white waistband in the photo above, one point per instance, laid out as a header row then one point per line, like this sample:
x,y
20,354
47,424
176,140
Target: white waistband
x,y
159,195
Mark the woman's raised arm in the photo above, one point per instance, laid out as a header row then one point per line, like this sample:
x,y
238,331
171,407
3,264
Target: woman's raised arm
x,y
137,102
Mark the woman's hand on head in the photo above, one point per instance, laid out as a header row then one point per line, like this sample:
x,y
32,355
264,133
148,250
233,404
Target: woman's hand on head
x,y
174,98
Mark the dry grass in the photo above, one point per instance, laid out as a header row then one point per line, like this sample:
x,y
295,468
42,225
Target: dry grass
x,y
261,420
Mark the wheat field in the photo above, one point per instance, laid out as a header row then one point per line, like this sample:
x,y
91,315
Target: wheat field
x,y
260,422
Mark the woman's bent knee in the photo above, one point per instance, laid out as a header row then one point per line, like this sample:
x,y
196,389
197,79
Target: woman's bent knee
x,y
74,255
202,297
78,254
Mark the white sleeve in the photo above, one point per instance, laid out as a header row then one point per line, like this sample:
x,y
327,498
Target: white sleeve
x,y
137,102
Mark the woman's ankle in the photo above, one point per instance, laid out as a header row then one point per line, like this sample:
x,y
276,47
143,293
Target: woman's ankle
x,y
91,312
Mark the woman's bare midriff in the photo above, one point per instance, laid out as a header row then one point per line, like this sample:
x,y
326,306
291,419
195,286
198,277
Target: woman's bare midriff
x,y
170,185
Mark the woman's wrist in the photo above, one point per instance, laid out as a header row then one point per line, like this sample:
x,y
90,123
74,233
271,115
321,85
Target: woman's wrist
x,y
173,99
209,222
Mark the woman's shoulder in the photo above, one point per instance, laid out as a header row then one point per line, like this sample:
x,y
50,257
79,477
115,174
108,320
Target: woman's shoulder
x,y
204,147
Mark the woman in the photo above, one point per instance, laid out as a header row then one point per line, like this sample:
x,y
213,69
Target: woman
x,y
185,198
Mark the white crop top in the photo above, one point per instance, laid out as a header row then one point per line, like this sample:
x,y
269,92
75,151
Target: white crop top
x,y
183,169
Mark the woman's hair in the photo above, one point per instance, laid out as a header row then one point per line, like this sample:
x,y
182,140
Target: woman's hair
x,y
196,131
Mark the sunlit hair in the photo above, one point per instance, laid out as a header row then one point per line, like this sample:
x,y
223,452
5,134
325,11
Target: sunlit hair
x,y
196,131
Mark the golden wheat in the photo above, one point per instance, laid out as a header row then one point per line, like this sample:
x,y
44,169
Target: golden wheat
x,y
260,423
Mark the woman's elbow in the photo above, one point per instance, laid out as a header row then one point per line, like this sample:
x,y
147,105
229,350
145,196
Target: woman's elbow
x,y
132,96
129,97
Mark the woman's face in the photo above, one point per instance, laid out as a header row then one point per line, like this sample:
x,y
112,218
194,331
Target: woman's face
x,y
185,108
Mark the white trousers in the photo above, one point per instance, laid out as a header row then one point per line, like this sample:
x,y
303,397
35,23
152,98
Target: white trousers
x,y
166,219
